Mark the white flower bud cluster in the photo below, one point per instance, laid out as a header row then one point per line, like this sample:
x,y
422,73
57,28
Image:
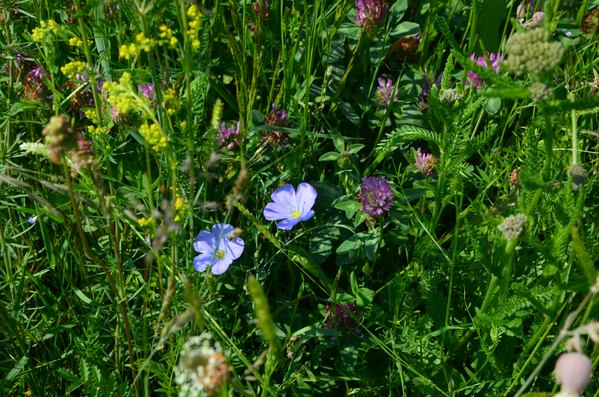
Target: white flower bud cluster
x,y
202,367
449,96
539,91
532,52
512,226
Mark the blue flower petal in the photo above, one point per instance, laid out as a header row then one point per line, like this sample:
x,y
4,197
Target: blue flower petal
x,y
235,247
275,211
306,216
284,196
204,242
288,224
222,265
306,196
201,262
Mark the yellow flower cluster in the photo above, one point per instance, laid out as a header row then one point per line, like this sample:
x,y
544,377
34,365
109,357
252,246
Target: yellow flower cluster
x,y
166,33
153,136
181,208
128,51
146,221
132,50
121,94
92,115
171,101
72,68
38,34
194,23
76,42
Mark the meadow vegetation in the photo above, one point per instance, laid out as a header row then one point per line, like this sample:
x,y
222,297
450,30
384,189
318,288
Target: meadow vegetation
x,y
299,198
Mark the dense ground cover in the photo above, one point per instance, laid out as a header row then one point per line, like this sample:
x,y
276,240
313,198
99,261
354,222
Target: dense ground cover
x,y
299,198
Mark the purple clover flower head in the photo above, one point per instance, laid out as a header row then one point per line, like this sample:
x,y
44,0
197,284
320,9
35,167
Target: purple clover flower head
x,y
474,80
290,207
425,162
370,13
229,136
346,317
276,117
385,92
217,249
376,195
147,90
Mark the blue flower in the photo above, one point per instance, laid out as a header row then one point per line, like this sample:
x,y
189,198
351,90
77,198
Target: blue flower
x,y
217,249
290,207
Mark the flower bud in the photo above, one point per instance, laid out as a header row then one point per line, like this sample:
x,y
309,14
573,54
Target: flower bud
x,y
573,372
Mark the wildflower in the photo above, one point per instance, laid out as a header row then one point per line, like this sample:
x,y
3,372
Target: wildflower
x,y
536,20
83,156
260,8
144,42
290,207
345,318
128,51
539,91
515,177
385,92
512,226
218,249
376,195
449,96
171,101
229,136
32,219
147,90
573,372
425,162
474,80
371,13
59,137
532,52
74,69
154,136
578,175
33,84
276,117
194,23
202,367
166,33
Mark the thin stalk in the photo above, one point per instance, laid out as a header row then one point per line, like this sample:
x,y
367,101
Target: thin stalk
x,y
558,340
121,303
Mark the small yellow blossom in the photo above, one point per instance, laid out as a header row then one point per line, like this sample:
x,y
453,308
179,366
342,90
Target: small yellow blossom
x,y
193,26
154,136
144,42
71,69
76,42
143,221
128,51
49,26
181,208
171,101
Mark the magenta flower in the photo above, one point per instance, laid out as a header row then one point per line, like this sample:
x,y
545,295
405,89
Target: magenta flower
x,y
276,117
217,249
346,317
474,80
371,13
147,90
425,162
376,195
229,136
290,207
385,92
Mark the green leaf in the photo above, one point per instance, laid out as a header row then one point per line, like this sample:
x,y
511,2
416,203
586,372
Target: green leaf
x,y
82,296
354,148
350,207
304,259
12,374
493,105
329,156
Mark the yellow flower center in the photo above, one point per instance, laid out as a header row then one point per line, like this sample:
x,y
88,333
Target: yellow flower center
x,y
220,254
295,214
